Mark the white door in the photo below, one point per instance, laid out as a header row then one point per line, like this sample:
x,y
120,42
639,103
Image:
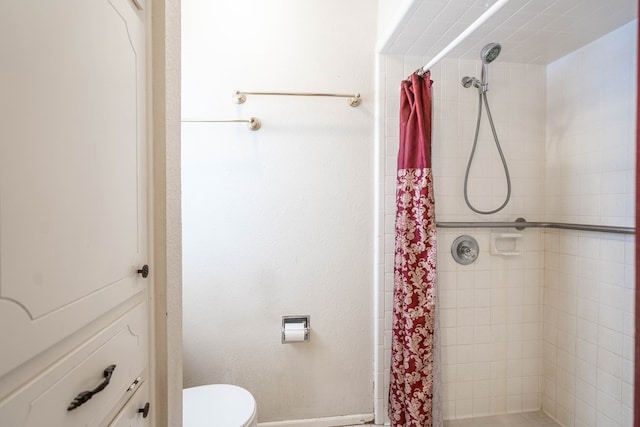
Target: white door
x,y
73,170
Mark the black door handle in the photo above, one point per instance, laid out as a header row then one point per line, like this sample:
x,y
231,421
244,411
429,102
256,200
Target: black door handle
x,y
84,396
144,271
144,411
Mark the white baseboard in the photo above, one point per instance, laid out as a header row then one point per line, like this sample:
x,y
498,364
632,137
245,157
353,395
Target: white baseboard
x,y
346,420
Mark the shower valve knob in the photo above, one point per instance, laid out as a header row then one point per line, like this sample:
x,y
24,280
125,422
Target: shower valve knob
x,y
144,271
465,250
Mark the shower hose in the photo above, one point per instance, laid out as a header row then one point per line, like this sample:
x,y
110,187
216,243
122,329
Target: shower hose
x,y
482,96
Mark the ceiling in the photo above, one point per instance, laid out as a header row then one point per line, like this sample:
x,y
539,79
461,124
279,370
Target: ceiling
x,y
530,31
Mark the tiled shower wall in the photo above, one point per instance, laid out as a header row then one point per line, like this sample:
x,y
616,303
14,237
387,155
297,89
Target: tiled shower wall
x,y
551,327
589,278
490,310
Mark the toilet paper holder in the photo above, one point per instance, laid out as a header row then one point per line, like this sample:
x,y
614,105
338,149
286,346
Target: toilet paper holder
x,y
296,329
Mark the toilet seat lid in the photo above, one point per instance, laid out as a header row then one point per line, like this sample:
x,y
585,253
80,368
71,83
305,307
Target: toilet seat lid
x,y
217,405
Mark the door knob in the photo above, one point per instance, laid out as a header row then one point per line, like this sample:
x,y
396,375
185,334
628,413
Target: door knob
x,y
144,411
144,271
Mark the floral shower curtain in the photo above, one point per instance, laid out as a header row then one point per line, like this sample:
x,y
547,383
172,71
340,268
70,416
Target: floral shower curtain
x,y
414,393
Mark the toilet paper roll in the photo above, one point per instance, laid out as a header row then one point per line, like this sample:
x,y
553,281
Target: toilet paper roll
x,y
293,332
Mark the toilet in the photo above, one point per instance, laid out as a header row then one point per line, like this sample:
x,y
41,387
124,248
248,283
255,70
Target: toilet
x,y
218,405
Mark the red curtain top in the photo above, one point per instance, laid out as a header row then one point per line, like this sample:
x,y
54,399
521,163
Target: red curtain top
x,y
415,122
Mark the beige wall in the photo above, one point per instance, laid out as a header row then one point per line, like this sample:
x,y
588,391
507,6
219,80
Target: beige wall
x,y
279,221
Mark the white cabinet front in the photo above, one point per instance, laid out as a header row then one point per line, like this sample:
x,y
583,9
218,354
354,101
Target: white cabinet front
x,y
72,168
73,209
54,398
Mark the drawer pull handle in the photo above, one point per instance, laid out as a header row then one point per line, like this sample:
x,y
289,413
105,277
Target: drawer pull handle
x,y
84,396
144,411
144,271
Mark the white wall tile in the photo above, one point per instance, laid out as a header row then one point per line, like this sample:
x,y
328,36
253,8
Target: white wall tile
x,y
578,162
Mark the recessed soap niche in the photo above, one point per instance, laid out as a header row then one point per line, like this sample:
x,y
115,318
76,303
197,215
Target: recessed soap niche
x,y
506,244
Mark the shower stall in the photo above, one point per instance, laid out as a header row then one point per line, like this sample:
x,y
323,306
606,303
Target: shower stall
x,y
544,318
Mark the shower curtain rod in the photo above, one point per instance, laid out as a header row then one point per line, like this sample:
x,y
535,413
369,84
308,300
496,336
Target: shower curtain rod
x,y
354,100
463,35
253,123
521,224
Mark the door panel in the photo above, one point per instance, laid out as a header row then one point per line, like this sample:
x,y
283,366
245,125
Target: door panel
x,y
72,167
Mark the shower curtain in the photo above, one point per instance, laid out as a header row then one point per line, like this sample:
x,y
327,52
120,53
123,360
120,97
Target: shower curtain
x,y
414,386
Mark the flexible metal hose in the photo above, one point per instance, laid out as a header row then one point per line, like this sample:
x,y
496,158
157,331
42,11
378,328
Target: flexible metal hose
x,y
482,95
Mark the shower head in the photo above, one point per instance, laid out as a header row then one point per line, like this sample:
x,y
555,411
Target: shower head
x,y
490,52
